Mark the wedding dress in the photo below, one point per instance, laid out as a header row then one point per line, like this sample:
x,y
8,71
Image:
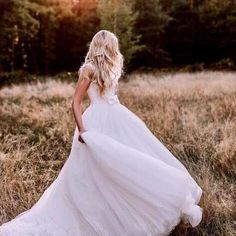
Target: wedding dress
x,y
121,182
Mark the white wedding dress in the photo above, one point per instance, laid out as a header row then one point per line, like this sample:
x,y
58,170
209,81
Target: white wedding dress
x,y
121,182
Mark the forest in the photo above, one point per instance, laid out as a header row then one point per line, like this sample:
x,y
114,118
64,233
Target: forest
x,y
52,36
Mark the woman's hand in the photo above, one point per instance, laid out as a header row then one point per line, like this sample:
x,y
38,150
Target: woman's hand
x,y
80,139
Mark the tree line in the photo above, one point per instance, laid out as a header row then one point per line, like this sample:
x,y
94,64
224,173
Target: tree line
x,y
49,36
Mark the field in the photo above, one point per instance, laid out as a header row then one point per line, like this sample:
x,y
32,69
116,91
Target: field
x,y
194,115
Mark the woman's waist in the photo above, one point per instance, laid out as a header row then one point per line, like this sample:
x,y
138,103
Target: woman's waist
x,y
106,101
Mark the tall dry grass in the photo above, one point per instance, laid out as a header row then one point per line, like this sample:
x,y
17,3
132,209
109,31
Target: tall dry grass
x,y
193,114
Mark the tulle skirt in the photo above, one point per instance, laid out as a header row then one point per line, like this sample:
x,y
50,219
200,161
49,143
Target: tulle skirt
x,y
121,182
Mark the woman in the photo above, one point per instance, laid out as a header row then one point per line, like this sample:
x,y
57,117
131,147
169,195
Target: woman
x,y
119,179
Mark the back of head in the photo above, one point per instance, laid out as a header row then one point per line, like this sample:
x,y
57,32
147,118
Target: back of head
x,y
104,54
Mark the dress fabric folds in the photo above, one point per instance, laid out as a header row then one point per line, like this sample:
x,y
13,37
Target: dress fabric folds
x,y
121,182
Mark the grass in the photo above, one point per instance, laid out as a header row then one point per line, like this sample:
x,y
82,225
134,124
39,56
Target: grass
x,y
193,114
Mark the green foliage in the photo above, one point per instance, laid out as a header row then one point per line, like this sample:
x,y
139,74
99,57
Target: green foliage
x,y
18,26
31,28
76,28
218,21
44,44
182,33
48,36
119,17
151,23
201,31
14,77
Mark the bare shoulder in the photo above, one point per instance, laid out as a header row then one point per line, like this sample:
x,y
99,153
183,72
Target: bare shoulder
x,y
86,71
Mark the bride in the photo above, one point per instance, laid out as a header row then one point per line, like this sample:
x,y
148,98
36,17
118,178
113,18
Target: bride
x,y
119,179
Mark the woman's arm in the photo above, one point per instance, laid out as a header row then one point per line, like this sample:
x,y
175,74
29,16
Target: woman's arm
x,y
85,76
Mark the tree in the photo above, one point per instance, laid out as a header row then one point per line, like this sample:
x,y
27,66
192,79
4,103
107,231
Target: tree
x,y
27,35
119,17
218,24
43,46
182,33
77,24
18,25
151,23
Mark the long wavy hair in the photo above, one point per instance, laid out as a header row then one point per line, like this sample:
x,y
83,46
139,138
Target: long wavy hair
x,y
104,54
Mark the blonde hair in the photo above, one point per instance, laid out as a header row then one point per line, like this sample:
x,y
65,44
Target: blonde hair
x,y
104,54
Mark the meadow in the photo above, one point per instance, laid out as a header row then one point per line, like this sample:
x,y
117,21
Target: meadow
x,y
194,115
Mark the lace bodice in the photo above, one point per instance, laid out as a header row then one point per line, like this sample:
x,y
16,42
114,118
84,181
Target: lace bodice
x,y
109,96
